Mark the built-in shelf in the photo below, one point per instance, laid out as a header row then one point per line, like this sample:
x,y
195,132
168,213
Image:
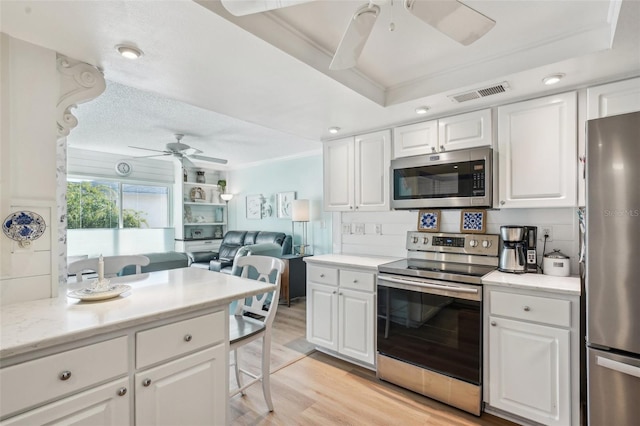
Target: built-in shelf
x,y
205,223
197,203
204,185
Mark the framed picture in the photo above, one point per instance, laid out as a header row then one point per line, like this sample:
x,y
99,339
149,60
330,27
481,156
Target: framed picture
x,y
283,204
196,233
254,206
429,220
473,221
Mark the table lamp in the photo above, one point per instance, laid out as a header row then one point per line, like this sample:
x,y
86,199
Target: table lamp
x,y
300,213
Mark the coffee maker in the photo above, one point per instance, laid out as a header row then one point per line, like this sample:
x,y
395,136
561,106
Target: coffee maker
x,y
518,249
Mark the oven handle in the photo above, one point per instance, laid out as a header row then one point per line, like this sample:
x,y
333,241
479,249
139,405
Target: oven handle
x,y
429,285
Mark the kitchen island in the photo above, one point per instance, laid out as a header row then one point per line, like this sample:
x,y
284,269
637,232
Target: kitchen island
x,y
164,341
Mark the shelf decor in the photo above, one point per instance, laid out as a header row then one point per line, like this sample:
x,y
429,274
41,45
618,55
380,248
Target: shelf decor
x,y
429,220
284,202
473,221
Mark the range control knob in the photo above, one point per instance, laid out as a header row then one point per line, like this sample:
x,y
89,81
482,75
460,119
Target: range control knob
x,y
415,240
425,240
486,244
473,243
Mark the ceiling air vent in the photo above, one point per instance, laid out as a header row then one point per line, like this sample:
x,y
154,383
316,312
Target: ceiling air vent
x,y
481,93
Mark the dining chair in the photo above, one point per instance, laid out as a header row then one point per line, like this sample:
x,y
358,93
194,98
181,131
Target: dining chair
x,y
252,320
112,265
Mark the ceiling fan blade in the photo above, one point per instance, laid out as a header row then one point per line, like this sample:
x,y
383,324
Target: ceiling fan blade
x,y
452,18
154,155
147,149
247,7
211,159
186,163
355,37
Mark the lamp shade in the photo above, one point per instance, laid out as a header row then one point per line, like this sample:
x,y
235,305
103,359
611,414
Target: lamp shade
x,y
226,196
300,211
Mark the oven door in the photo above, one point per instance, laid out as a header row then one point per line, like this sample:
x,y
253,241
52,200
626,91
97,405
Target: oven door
x,y
435,325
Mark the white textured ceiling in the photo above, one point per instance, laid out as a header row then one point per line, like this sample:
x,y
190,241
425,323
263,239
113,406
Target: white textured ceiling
x,y
253,88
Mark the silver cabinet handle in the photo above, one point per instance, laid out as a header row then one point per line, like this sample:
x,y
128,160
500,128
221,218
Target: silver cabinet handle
x,y
502,203
122,391
146,382
355,281
321,275
441,147
493,323
188,337
340,294
333,292
526,308
65,375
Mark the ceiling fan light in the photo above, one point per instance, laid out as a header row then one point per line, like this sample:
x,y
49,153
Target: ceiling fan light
x,y
334,130
129,52
552,79
422,109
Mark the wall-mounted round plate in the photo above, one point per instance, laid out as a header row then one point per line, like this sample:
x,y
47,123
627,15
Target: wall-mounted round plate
x,y
24,226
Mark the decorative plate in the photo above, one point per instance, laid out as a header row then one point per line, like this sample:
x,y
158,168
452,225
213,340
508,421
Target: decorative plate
x,y
473,221
24,226
90,294
429,220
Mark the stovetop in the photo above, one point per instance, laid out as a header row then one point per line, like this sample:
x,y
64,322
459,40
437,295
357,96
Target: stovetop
x,y
453,257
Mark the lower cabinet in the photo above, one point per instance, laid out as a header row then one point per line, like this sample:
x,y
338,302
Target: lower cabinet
x,y
340,312
533,358
189,391
179,369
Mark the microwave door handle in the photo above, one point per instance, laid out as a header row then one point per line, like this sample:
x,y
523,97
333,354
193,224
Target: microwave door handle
x,y
427,285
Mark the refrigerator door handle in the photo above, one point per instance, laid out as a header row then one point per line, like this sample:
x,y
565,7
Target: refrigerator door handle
x,y
618,366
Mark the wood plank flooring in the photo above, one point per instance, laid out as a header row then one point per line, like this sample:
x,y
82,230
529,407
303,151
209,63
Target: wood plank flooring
x,y
311,388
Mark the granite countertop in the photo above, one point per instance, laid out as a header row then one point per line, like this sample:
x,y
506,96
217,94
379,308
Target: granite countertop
x,y
44,323
360,261
565,285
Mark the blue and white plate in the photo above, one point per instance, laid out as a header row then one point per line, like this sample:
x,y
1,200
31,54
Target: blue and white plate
x,y
24,226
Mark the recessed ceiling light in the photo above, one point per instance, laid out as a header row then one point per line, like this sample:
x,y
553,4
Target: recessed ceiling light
x,y
129,52
422,109
334,130
552,79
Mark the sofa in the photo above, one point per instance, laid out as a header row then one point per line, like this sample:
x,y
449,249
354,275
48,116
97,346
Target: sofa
x,y
242,243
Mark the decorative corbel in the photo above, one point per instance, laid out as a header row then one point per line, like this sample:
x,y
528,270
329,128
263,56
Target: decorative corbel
x,y
79,82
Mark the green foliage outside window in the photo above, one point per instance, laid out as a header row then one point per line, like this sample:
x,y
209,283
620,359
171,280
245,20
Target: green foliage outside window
x,y
95,206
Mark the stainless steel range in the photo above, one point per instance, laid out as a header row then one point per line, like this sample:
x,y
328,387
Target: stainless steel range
x,y
429,336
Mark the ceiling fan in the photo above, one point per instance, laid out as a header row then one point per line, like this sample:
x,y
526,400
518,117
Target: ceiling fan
x,y
182,152
451,17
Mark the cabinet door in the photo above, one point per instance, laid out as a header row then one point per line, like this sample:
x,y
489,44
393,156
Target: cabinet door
x,y
192,390
471,130
529,371
538,152
614,98
415,139
322,315
104,405
355,319
338,158
372,162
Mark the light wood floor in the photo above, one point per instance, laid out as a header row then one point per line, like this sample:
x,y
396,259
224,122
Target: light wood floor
x,y
317,389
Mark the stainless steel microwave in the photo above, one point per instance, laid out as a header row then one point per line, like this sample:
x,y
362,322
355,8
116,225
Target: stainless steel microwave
x,y
443,180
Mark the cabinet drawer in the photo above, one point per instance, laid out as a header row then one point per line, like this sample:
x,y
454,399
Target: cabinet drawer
x,y
357,280
208,245
532,308
179,338
322,275
33,382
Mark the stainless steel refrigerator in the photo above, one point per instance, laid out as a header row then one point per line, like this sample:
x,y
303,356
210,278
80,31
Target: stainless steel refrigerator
x,y
613,270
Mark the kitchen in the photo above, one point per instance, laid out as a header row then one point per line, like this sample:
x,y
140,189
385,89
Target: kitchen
x,y
395,224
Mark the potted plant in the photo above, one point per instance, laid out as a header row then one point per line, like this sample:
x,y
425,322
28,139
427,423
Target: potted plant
x,y
222,184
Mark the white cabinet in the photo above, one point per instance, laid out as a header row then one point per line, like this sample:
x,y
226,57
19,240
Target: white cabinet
x,y
340,312
201,217
356,173
190,390
532,355
620,97
537,143
470,130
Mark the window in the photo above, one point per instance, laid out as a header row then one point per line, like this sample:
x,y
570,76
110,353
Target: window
x,y
113,204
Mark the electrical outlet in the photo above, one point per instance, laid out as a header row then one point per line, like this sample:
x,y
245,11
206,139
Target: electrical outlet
x,y
545,230
346,228
378,229
359,228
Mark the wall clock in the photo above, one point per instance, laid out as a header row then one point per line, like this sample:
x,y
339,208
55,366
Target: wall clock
x,y
124,168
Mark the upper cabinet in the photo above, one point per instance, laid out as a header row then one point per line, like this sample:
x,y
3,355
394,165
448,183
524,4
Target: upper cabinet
x,y
462,131
614,98
537,143
356,172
